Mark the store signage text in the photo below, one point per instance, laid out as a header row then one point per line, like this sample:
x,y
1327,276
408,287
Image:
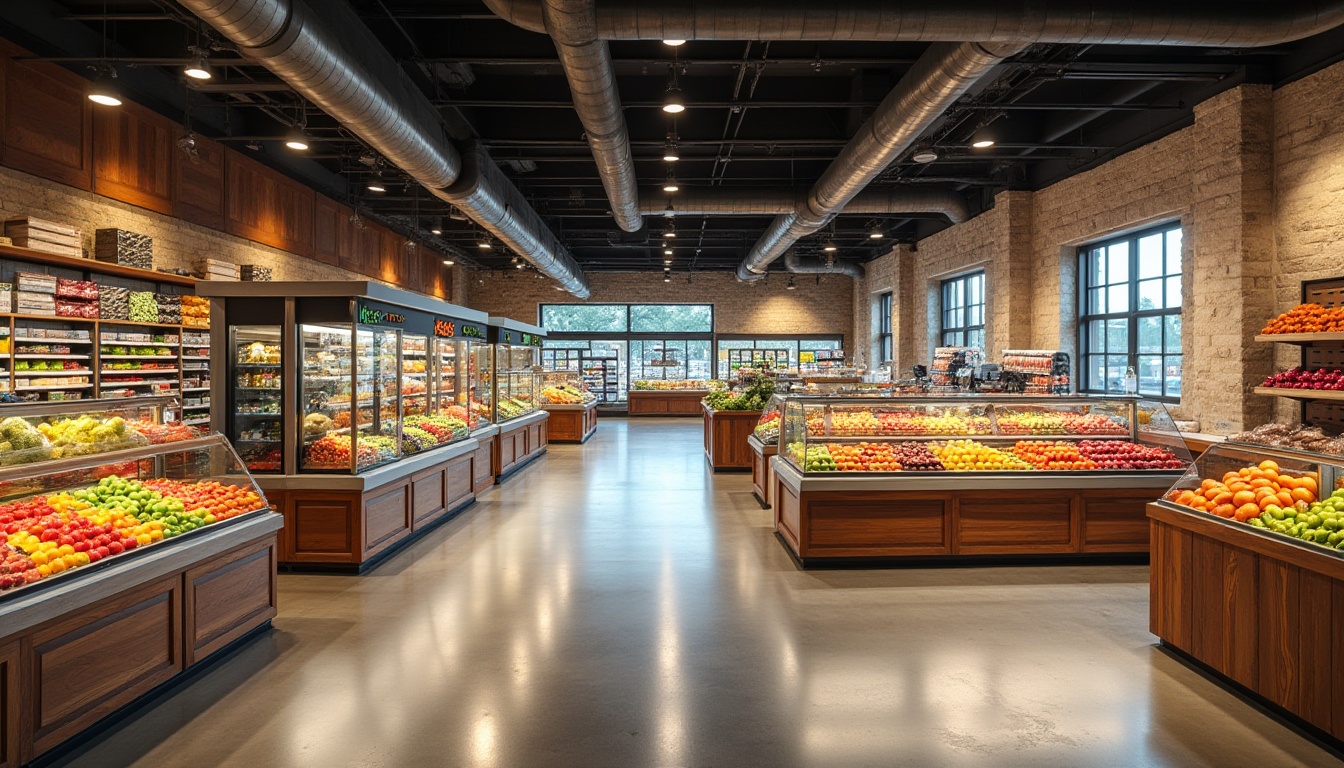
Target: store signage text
x,y
445,328
371,316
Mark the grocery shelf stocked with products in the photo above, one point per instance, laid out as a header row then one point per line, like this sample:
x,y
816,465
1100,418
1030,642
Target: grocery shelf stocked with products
x,y
970,475
671,397
1317,327
1248,572
523,427
572,408
129,558
364,411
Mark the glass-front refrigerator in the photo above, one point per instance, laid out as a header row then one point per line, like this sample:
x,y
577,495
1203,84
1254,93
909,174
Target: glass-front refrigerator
x,y
517,368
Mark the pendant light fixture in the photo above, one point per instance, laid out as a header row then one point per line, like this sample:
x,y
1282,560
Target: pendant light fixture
x,y
671,184
484,243
671,230
671,153
199,66
674,42
790,286
924,154
674,103
829,246
104,90
667,275
448,262
875,233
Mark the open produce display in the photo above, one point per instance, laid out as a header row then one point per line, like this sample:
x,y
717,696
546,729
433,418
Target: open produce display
x,y
1307,318
751,394
670,385
1296,436
1301,378
50,431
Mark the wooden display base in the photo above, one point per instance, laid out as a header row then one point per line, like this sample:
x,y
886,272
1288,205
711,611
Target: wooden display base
x,y
329,528
89,649
671,402
762,472
726,434
520,442
1259,611
951,516
571,423
483,461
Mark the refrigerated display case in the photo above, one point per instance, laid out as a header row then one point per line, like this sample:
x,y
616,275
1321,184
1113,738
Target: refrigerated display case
x,y
572,408
353,389
523,428
1247,575
971,475
147,559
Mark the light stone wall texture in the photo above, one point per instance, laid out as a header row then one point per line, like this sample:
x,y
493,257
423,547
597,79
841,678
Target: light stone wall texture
x,y
177,243
763,307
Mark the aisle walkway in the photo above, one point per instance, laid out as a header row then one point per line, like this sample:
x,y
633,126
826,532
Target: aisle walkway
x,y
617,605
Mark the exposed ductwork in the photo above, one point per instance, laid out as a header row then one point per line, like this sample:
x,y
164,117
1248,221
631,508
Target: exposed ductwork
x,y
586,61
934,83
800,266
1231,23
767,201
373,98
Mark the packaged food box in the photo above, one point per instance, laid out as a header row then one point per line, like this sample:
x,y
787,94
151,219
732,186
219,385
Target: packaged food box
x,y
36,282
214,269
256,273
144,308
47,236
27,303
79,290
6,297
120,246
114,303
72,308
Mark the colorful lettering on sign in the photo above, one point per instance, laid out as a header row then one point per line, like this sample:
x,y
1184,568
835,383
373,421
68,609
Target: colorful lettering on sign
x,y
473,331
371,316
445,328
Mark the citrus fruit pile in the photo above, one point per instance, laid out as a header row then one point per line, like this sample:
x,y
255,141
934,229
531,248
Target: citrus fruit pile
x,y
970,455
1246,493
1050,455
1307,318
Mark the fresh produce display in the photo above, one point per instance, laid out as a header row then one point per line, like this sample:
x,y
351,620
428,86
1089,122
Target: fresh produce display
x,y
444,429
565,394
883,457
513,407
1307,318
1301,378
862,423
1058,423
158,434
1120,454
670,385
48,535
461,413
816,459
333,451
971,455
1052,456
1249,492
83,435
752,397
415,440
1296,436
767,429
21,442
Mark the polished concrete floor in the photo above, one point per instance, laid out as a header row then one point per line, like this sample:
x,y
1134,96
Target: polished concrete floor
x,y
616,604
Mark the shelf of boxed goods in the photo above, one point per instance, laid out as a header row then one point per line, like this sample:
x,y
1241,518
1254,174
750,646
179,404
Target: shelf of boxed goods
x,y
115,381
93,266
24,353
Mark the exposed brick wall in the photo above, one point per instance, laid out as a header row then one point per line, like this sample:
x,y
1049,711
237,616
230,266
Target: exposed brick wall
x,y
176,243
763,307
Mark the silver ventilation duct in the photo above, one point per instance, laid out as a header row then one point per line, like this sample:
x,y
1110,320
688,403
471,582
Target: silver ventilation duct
x,y
934,83
800,266
586,61
765,201
370,95
1230,23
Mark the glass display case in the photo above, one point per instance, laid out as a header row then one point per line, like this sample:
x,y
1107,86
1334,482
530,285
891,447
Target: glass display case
x,y
988,434
49,431
326,382
87,512
565,388
517,368
1286,494
767,429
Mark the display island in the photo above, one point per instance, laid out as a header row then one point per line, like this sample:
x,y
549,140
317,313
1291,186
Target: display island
x,y
523,424
133,550
938,478
572,408
360,409
670,397
730,419
1247,576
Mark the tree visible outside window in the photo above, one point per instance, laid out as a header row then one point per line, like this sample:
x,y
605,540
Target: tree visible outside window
x,y
963,311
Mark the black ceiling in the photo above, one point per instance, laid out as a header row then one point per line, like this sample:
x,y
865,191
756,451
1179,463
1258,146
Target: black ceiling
x,y
760,114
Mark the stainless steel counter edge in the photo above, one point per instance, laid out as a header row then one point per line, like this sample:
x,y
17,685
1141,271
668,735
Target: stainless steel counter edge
x,y
760,446
853,481
485,433
522,421
23,613
372,479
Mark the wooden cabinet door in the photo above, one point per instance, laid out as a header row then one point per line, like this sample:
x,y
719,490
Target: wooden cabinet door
x,y
267,207
133,155
9,705
229,596
47,118
198,185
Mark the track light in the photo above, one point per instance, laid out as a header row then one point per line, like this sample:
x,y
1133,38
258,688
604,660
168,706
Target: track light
x,y
790,286
673,101
671,153
198,69
875,234
104,90
674,42
297,140
924,154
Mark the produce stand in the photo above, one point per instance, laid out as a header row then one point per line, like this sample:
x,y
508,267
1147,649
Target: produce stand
x,y
726,434
573,423
1258,609
831,512
523,429
669,402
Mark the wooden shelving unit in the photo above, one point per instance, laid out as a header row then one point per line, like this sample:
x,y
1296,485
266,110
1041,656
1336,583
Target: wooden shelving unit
x,y
94,267
1300,394
1320,407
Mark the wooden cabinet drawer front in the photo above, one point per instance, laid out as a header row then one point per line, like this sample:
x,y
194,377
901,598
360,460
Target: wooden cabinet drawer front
x,y
482,465
457,481
885,525
990,525
9,705
229,597
427,495
535,440
86,667
385,518
320,526
1116,524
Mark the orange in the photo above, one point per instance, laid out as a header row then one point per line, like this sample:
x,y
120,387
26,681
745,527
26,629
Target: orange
x,y
1260,482
1269,501
1256,474
1285,498
1243,498
1224,510
1287,481
1207,484
1269,464
1303,494
1223,497
1246,512
1272,474
1308,482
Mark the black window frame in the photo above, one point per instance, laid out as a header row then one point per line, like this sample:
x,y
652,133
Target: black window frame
x,y
965,329
1132,316
885,348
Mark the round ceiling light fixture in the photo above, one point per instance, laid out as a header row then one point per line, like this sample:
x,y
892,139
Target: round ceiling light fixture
x,y
924,154
297,140
674,42
104,90
671,153
198,69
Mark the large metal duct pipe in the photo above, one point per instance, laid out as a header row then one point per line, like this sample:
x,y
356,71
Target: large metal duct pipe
x,y
800,266
934,83
1231,23
370,95
586,61
767,201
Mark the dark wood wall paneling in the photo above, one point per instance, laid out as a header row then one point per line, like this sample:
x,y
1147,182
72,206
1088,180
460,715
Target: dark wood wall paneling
x,y
49,128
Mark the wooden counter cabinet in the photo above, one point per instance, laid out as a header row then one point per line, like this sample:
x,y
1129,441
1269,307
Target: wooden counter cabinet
x,y
726,434
664,402
571,423
762,472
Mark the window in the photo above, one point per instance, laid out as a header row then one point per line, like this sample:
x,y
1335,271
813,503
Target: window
x,y
884,351
792,346
580,318
1130,313
964,311
671,318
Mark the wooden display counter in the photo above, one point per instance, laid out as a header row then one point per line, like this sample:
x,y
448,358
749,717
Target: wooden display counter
x,y
726,434
762,472
665,402
75,653
837,519
483,460
1258,610
571,423
520,441
349,522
